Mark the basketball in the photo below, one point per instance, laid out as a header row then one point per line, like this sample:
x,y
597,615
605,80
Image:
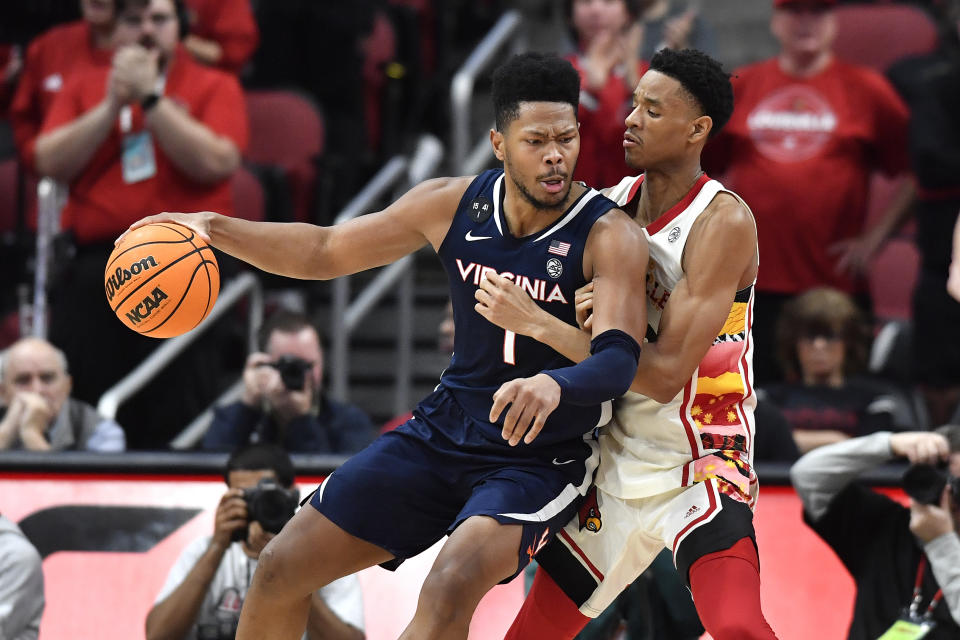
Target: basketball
x,y
162,280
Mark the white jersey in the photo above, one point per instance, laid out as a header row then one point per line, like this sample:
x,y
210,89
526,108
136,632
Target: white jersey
x,y
228,589
707,430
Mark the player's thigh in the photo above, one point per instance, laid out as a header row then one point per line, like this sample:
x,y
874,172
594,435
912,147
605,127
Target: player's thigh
x,y
311,551
393,494
702,519
601,551
478,554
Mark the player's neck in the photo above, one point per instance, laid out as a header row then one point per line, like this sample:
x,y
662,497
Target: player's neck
x,y
524,218
662,190
804,65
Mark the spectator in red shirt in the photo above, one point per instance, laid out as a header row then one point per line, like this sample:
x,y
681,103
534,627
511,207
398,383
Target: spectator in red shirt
x,y
608,40
51,59
806,133
154,131
223,33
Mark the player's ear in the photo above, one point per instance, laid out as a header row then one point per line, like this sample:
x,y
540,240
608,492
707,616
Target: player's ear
x,y
496,141
700,129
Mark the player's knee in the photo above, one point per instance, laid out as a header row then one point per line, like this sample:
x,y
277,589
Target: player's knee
x,y
274,568
448,590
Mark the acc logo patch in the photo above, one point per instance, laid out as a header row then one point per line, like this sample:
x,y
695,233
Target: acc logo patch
x,y
554,268
480,209
673,235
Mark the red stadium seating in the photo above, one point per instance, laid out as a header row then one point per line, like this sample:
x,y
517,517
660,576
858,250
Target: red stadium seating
x,y
380,47
286,131
248,200
879,35
892,278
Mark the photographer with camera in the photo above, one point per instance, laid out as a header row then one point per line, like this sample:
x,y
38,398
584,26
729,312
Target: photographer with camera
x,y
206,587
905,561
282,398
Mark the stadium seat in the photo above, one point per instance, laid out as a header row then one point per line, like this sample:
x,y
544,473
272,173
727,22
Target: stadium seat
x,y
879,35
8,195
893,274
380,47
286,134
248,200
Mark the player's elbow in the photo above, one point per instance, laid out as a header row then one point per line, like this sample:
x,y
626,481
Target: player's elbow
x,y
660,388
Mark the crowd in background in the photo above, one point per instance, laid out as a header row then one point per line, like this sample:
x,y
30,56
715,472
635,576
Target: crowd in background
x,y
90,89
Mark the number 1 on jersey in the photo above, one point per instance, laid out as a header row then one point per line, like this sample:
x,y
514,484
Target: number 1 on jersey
x,y
509,338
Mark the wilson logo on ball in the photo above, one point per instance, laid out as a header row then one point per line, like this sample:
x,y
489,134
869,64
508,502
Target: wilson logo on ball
x,y
143,310
121,276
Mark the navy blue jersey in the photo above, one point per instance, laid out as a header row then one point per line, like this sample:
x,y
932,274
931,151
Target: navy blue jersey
x,y
548,265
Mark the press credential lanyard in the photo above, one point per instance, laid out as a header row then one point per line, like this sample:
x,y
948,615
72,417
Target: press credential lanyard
x,y
912,625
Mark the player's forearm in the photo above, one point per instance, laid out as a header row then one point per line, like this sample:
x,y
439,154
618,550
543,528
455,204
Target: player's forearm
x,y
190,145
659,376
173,617
324,624
289,249
567,340
64,152
821,474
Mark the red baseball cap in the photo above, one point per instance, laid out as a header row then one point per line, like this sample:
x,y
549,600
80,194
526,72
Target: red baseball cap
x,y
801,3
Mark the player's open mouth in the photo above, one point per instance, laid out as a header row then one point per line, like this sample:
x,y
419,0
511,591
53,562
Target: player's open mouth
x,y
553,185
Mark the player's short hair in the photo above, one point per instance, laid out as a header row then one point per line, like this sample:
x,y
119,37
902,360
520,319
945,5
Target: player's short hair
x,y
284,321
256,457
533,77
703,78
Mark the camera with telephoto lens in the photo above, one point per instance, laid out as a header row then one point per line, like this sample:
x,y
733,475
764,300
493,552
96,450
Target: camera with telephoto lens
x,y
924,483
293,371
269,503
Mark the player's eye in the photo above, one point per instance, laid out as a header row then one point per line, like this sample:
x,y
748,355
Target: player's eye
x,y
652,113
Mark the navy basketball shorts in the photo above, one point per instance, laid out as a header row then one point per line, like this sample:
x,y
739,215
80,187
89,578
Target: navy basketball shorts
x,y
417,483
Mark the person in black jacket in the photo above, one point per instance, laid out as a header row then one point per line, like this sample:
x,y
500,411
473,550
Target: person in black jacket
x,y
283,400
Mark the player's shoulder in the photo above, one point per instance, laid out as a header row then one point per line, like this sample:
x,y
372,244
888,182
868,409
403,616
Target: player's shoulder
x,y
616,226
727,213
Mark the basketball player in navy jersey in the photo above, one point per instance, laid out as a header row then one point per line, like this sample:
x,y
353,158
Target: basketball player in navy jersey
x,y
676,463
499,456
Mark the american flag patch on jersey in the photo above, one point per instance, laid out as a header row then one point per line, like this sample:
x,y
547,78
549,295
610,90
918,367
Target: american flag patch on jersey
x,y
558,248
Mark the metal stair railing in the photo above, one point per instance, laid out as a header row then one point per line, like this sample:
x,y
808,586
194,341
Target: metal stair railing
x,y
398,175
465,159
244,284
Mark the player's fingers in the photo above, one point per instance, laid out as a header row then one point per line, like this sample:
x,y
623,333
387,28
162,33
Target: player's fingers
x,y
501,398
482,296
518,418
538,423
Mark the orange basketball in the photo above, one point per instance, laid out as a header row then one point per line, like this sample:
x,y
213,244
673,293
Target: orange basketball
x,y
162,280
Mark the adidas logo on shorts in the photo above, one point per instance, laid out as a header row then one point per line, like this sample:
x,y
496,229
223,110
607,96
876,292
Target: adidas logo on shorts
x,y
691,511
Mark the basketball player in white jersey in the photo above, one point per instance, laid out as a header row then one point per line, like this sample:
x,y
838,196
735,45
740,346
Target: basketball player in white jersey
x,y
676,468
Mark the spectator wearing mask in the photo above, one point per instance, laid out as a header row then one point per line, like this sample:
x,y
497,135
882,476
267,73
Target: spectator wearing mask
x,y
21,586
38,412
888,548
823,344
207,585
283,400
154,131
807,132
51,60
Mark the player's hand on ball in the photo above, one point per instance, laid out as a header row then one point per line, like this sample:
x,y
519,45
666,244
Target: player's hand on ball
x,y
531,400
506,305
583,303
199,222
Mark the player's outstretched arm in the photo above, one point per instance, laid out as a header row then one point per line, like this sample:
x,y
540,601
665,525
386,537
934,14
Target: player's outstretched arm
x,y
310,252
721,258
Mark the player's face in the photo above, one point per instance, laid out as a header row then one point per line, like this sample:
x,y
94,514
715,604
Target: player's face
x,y
304,344
593,17
804,30
97,12
661,124
35,367
539,152
153,26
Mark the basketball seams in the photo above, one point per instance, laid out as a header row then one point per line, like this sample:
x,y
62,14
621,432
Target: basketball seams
x,y
206,270
157,273
175,228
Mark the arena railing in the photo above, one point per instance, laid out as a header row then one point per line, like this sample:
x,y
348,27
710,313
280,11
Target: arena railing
x,y
396,176
51,196
507,31
244,285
